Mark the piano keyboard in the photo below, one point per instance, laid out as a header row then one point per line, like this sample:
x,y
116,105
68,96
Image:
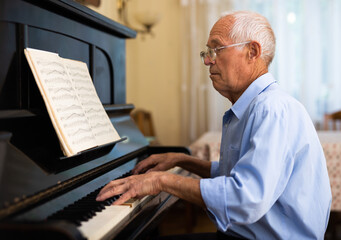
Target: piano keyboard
x,y
85,208
95,220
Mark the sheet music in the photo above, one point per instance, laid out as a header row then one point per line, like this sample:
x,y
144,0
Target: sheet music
x,y
100,123
78,115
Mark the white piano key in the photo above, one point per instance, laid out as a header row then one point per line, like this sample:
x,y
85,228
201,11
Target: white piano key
x,y
109,219
103,222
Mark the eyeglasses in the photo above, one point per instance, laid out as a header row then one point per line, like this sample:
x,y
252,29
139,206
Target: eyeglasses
x,y
211,53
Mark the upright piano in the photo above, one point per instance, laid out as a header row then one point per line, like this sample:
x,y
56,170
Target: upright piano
x,y
43,194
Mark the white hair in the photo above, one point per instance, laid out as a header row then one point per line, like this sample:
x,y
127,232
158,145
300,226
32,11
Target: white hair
x,y
253,26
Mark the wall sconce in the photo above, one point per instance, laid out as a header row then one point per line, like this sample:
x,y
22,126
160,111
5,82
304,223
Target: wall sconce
x,y
146,18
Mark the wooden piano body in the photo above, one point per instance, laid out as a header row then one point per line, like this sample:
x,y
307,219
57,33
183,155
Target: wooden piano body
x,y
36,180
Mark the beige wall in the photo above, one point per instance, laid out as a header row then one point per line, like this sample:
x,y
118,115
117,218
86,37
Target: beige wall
x,y
153,66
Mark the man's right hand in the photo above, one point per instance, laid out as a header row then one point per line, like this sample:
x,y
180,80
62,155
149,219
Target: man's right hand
x,y
157,162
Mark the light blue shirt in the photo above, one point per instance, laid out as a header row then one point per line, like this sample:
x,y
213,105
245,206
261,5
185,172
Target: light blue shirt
x,y
271,181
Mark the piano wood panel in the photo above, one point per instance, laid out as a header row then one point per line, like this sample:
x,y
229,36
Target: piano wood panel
x,y
72,31
9,82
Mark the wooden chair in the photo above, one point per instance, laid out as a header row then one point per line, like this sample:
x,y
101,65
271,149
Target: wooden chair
x,y
332,121
144,121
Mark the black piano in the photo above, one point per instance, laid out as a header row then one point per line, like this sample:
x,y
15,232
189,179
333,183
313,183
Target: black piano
x,y
44,195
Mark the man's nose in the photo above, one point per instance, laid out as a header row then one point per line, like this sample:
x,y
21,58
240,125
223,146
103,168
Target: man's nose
x,y
208,61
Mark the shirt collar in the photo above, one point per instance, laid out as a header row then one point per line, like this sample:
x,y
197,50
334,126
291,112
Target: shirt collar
x,y
255,88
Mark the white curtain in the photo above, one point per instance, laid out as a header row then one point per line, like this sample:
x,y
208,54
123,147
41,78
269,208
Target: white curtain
x,y
202,107
307,62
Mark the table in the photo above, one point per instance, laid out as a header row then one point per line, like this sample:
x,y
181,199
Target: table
x,y
207,147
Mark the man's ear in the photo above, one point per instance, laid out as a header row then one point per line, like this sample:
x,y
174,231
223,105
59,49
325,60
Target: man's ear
x,y
255,50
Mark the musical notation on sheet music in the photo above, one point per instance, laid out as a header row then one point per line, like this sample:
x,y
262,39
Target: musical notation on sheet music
x,y
63,95
72,100
99,122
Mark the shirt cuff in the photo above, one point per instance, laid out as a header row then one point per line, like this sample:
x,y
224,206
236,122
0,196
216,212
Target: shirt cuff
x,y
213,193
214,169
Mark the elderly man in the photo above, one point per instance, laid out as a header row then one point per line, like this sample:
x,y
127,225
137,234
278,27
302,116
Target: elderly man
x,y
271,181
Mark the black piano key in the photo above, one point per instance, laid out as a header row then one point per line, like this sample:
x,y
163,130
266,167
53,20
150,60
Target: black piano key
x,y
85,208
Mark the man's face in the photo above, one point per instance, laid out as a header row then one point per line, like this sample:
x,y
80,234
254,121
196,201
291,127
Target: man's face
x,y
229,70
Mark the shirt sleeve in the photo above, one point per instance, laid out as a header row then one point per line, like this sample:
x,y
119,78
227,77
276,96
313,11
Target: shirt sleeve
x,y
259,176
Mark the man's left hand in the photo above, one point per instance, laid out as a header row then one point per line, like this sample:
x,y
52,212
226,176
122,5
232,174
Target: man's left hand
x,y
135,186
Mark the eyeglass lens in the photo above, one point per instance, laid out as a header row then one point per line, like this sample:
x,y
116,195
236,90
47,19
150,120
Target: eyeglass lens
x,y
210,53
